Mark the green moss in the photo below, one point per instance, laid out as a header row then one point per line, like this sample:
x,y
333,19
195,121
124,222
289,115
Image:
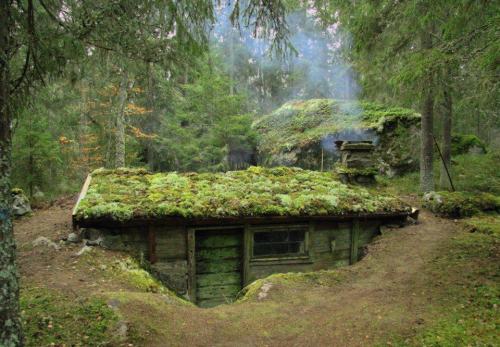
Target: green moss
x,y
461,204
17,191
462,143
257,191
318,278
50,318
299,123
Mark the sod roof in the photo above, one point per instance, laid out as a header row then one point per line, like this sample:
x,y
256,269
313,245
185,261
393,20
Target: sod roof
x,y
126,194
299,123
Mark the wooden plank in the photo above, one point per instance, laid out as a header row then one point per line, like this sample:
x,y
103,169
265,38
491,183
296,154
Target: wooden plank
x,y
83,192
218,279
218,253
247,253
218,241
190,242
354,241
152,245
227,265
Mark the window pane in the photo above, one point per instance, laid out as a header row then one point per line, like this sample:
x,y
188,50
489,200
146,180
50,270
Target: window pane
x,y
297,235
271,236
279,243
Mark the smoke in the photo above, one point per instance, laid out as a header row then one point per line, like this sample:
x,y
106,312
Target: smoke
x,y
319,70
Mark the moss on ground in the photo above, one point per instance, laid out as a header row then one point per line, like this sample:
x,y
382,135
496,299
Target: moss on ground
x,y
467,313
299,123
125,194
461,204
52,319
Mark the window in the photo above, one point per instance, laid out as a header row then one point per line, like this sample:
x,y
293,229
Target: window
x,y
279,243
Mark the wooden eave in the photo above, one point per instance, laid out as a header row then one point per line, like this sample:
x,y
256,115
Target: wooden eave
x,y
104,222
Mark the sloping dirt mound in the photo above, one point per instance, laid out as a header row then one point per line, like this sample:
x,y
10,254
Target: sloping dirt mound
x,y
383,295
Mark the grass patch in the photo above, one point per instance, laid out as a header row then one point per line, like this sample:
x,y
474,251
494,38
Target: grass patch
x,y
50,318
486,224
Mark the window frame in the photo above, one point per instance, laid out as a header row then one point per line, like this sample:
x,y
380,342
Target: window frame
x,y
299,257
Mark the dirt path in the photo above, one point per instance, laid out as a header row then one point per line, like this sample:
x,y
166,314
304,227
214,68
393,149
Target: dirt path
x,y
388,293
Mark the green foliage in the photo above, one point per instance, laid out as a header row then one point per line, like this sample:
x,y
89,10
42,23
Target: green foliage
x,y
461,204
208,128
51,318
477,173
126,194
462,144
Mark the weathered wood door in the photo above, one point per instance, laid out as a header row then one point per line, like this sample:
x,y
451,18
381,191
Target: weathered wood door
x,y
218,266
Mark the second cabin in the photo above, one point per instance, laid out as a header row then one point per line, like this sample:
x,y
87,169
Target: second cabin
x,y
208,235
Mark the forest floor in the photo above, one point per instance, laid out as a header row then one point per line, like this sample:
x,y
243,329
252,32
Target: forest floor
x,y
432,283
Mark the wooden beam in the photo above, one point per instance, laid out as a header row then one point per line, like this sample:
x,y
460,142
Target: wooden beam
x,y
354,240
247,253
234,221
191,249
152,245
82,194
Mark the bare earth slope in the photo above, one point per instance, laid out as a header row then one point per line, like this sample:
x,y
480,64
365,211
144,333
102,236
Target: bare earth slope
x,y
389,293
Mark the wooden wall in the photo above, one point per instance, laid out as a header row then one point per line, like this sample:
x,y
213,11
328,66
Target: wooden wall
x,y
330,244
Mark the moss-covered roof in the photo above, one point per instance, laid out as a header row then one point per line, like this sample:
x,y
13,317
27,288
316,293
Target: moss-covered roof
x,y
125,194
300,122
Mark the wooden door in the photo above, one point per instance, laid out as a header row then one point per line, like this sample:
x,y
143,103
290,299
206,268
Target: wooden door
x,y
218,256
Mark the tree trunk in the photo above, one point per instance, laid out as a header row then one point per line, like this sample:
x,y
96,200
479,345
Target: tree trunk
x,y
427,145
120,122
10,324
231,66
444,181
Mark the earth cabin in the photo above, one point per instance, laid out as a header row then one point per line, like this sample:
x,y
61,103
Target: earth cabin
x,y
208,235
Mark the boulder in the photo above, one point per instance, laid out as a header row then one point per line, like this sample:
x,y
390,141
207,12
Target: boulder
x,y
303,133
42,241
20,204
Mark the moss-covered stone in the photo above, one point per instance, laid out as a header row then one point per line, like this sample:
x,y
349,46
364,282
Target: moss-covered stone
x,y
461,204
123,195
466,143
297,133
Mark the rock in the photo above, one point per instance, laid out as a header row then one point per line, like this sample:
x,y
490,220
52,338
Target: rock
x,y
73,238
433,196
264,290
97,242
85,249
43,241
20,204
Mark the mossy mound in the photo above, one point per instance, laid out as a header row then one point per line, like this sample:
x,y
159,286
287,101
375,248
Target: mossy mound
x,y
466,143
461,204
123,195
298,132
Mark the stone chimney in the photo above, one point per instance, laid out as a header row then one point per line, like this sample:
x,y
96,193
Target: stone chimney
x,y
357,164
